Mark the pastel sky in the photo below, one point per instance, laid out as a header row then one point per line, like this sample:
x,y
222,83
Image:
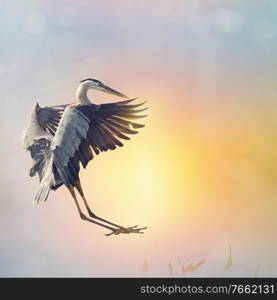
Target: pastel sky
x,y
202,174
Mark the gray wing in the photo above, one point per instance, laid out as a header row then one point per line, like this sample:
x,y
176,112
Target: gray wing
x,y
111,122
67,145
40,153
52,155
49,117
90,127
37,141
43,165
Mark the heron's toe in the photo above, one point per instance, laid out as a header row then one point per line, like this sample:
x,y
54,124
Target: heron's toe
x,y
132,229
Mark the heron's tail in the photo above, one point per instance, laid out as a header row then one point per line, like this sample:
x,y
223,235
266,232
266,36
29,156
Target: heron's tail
x,y
44,189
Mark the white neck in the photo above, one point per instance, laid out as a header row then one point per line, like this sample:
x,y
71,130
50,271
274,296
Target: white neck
x,y
81,93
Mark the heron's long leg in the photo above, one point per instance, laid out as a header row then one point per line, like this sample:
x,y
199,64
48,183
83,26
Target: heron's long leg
x,y
82,215
90,212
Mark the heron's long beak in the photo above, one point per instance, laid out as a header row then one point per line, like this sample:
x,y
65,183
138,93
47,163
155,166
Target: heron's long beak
x,y
109,90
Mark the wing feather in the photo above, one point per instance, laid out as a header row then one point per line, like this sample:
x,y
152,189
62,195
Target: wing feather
x,y
70,134
49,117
87,129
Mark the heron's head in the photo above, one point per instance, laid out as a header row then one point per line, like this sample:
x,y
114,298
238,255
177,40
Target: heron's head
x,y
95,84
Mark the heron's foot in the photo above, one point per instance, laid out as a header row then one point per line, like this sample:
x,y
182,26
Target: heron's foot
x,y
132,229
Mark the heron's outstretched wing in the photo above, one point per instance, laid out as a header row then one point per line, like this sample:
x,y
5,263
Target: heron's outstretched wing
x,y
91,127
49,117
40,153
67,145
37,141
111,122
43,166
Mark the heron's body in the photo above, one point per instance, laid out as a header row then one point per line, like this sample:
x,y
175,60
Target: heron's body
x,y
60,138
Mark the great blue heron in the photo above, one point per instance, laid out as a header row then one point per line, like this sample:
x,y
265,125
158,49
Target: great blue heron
x,y
61,137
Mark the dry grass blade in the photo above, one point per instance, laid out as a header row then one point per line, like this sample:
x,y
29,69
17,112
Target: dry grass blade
x,y
229,262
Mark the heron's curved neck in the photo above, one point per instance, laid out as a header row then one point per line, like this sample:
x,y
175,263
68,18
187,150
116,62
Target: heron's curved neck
x,y
81,94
